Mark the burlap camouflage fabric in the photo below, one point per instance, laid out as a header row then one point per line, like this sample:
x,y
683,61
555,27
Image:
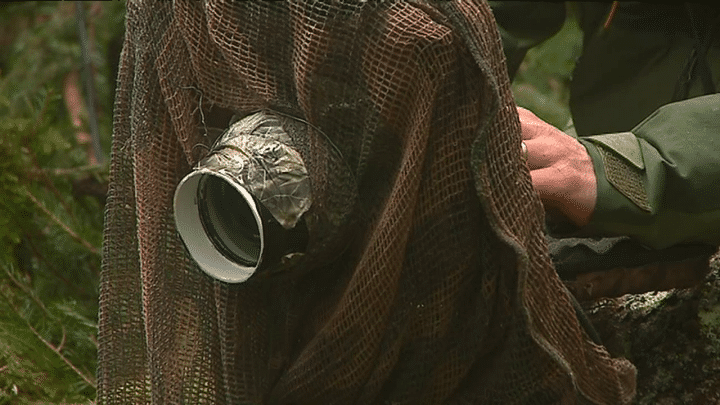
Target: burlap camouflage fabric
x,y
439,288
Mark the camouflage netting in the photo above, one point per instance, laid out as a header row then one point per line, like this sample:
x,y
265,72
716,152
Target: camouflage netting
x,y
440,288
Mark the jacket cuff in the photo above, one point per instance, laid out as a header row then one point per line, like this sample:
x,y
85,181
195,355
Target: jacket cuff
x,y
622,199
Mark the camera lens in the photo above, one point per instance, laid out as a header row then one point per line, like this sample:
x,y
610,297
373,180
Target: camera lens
x,y
229,221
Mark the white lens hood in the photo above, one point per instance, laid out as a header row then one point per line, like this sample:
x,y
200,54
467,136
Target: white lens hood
x,y
196,239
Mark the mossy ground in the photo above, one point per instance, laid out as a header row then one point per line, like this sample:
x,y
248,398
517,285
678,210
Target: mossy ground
x,y
673,338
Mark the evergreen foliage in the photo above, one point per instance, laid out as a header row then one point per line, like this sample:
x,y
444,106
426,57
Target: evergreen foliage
x,y
50,225
542,83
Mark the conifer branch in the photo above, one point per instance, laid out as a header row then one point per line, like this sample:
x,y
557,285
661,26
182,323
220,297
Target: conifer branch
x,y
89,380
61,224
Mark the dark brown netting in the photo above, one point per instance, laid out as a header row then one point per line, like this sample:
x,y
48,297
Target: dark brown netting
x,y
439,290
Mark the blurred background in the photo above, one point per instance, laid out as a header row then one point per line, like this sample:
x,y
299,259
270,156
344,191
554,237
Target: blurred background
x,y
54,147
58,63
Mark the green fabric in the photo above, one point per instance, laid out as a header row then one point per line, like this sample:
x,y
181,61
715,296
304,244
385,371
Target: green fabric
x,y
680,146
625,177
629,70
623,143
622,108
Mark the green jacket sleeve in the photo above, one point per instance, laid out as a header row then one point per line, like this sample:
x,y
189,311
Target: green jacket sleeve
x,y
660,182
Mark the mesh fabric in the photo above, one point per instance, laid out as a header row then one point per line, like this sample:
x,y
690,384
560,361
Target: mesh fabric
x,y
440,290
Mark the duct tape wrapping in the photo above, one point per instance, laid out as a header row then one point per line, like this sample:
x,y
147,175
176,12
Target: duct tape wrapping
x,y
252,204
254,152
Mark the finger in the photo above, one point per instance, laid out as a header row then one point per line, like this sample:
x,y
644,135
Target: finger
x,y
531,126
545,182
525,113
541,153
574,198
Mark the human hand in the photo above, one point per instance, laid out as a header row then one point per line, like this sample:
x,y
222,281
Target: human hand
x,y
561,169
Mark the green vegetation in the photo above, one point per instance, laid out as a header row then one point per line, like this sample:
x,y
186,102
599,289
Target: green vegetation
x,y
51,210
542,83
